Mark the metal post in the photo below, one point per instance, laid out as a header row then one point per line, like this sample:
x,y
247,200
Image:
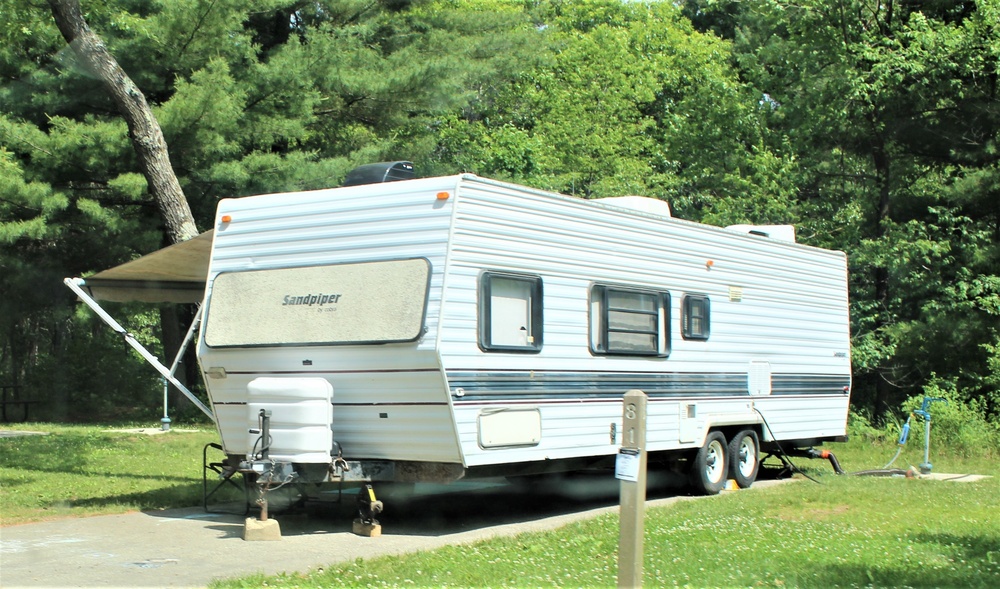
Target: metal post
x,y
925,413
265,454
631,470
177,360
165,422
925,468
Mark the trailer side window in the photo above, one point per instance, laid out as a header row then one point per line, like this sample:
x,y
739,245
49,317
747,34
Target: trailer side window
x,y
629,321
510,313
695,317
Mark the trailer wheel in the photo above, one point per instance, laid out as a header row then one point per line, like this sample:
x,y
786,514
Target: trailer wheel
x,y
710,466
744,459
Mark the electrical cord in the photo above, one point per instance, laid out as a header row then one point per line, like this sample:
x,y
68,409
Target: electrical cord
x,y
884,471
254,454
781,452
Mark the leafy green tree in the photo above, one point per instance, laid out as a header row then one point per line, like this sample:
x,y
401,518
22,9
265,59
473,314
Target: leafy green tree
x,y
627,98
144,131
252,96
890,110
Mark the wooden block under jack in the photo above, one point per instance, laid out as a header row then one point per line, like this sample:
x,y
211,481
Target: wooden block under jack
x,y
372,530
255,529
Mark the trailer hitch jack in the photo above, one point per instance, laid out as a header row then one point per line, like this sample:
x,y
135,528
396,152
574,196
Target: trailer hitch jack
x,y
368,507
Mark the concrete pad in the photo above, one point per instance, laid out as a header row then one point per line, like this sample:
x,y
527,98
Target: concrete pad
x,y
255,529
958,478
149,431
14,433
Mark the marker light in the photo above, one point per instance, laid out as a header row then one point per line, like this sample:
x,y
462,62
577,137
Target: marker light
x,y
443,195
227,218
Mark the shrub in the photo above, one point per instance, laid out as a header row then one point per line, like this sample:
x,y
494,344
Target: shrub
x,y
860,426
957,422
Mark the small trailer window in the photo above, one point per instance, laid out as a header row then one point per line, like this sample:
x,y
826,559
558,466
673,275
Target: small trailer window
x,y
510,313
629,321
695,319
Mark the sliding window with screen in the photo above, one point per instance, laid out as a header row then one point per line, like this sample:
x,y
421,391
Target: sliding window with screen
x,y
629,321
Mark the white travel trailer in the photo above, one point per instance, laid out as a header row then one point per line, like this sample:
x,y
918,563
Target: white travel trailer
x,y
440,328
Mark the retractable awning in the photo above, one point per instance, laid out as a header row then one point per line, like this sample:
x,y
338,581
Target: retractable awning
x,y
174,274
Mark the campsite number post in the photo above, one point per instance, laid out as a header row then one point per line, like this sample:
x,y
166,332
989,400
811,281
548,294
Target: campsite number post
x,y
630,468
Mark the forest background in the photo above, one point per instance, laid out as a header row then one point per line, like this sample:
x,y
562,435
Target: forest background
x,y
873,126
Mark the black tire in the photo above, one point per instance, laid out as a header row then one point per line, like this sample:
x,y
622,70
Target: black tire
x,y
710,465
744,458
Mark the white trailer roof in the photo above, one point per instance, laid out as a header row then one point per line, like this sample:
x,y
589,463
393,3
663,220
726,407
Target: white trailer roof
x,y
174,274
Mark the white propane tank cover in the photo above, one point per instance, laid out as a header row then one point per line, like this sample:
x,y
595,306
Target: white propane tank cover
x,y
301,416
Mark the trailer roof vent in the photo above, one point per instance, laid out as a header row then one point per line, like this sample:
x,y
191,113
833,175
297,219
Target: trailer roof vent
x,y
380,172
642,204
779,232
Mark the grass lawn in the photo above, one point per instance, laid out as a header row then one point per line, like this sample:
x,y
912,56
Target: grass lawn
x,y
847,531
78,471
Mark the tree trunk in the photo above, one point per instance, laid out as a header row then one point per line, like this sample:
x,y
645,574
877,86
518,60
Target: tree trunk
x,y
147,138
881,161
147,141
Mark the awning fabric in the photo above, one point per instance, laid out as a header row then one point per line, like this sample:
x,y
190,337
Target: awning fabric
x,y
174,274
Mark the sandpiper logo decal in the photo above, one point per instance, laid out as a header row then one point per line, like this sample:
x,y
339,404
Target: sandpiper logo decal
x,y
311,299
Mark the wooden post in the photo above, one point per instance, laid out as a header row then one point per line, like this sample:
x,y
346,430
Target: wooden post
x,y
630,468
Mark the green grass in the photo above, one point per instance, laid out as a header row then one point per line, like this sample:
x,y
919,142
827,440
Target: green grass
x,y
844,532
83,470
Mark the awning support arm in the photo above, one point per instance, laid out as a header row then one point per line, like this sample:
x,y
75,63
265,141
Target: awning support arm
x,y
74,285
187,340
